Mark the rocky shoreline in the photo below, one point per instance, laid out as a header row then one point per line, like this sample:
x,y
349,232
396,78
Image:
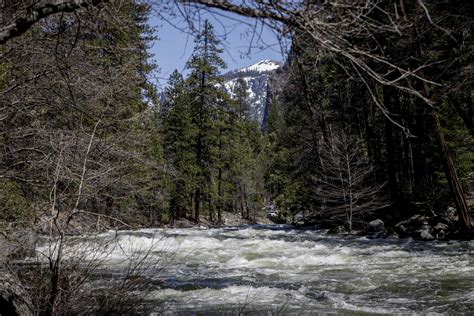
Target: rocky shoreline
x,y
21,242
426,227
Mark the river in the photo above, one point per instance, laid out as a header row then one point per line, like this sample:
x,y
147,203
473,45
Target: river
x,y
275,269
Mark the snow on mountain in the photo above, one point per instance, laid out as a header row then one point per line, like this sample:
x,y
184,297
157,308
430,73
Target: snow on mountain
x,y
256,76
262,66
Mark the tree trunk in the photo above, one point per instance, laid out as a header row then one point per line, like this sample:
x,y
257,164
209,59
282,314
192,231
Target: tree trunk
x,y
242,205
211,209
449,169
55,269
390,147
219,193
247,209
451,174
197,202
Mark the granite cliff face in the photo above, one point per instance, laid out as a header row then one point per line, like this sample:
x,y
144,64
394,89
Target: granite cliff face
x,y
257,77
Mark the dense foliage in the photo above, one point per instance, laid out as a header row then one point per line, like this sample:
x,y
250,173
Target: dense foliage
x,y
209,140
76,132
325,96
82,130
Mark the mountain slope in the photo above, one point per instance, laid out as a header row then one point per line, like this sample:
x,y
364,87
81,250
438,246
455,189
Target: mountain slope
x,y
256,76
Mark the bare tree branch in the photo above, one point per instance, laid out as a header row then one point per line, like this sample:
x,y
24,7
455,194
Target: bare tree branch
x,y
40,11
242,10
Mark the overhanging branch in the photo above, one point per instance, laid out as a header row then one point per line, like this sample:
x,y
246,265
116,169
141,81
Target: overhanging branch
x,y
243,10
40,11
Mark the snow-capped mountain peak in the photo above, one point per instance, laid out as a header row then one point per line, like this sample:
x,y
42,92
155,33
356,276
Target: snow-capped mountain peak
x,y
262,66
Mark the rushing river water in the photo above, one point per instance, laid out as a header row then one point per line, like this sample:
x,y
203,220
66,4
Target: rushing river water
x,y
280,270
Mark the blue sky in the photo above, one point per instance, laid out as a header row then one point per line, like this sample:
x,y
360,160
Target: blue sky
x,y
174,47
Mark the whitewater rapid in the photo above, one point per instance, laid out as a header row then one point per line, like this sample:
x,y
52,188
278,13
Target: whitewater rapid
x,y
276,269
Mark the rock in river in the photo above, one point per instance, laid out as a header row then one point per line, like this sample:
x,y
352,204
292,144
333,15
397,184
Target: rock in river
x,y
376,225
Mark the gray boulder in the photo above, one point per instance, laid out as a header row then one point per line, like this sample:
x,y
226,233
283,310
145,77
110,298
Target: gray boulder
x,y
451,214
393,236
13,299
425,232
440,230
376,225
441,226
183,223
426,235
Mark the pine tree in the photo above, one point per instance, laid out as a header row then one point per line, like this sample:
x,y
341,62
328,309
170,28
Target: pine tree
x,y
178,131
242,99
173,92
206,92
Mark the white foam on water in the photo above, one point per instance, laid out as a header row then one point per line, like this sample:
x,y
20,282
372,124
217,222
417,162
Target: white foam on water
x,y
313,269
237,298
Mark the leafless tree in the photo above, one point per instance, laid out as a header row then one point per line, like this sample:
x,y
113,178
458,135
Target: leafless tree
x,y
56,85
345,186
92,279
72,134
61,273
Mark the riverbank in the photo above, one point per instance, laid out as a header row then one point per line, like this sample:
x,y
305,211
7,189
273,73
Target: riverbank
x,y
229,219
85,222
20,242
425,226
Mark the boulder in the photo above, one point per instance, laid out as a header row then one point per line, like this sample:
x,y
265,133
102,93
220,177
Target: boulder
x,y
13,299
428,228
451,214
299,224
377,235
412,226
401,229
183,223
441,226
277,220
440,230
376,225
425,227
426,235
393,236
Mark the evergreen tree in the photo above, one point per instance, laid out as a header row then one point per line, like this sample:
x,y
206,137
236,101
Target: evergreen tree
x,y
206,93
242,99
173,92
178,131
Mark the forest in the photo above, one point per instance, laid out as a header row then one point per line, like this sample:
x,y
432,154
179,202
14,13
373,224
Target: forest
x,y
76,89
368,124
